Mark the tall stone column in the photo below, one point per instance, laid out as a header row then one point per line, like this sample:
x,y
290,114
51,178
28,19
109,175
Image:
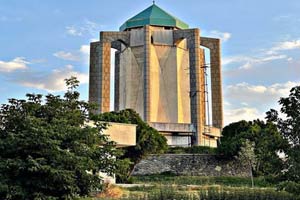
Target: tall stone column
x,y
197,85
216,85
147,60
117,80
94,81
216,79
197,92
99,85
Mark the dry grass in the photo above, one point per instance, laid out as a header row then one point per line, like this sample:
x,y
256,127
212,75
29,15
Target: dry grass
x,y
111,192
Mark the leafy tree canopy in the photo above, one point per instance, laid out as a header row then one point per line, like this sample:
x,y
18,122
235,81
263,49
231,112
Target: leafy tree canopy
x,y
267,144
46,149
289,127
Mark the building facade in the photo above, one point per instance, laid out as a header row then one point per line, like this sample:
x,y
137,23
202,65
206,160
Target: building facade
x,y
160,72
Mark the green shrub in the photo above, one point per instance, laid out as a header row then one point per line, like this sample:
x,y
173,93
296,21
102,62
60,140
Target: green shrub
x,y
207,193
192,150
290,186
170,178
243,193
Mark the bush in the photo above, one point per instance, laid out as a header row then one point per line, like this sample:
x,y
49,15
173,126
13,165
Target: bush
x,y
208,193
290,186
46,148
192,150
244,193
170,178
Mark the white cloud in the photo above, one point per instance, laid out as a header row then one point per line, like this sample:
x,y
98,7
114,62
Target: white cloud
x,y
243,113
71,30
18,63
85,49
79,55
52,82
274,53
84,28
224,36
253,94
246,101
247,62
67,56
283,46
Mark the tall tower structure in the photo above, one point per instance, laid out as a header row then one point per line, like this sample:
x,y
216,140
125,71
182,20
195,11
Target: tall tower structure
x,y
160,72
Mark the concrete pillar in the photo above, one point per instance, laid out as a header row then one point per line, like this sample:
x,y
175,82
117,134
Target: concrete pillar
x,y
197,95
216,79
117,80
99,85
94,82
147,58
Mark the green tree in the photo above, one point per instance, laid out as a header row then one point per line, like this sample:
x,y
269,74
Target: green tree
x,y
289,127
46,149
247,155
267,142
149,140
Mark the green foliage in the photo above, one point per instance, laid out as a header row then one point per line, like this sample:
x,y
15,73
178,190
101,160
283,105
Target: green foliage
x,y
289,127
192,150
244,193
46,148
172,179
290,187
124,166
247,156
163,192
149,140
267,143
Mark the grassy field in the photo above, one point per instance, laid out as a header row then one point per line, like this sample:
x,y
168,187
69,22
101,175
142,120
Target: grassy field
x,y
165,187
200,180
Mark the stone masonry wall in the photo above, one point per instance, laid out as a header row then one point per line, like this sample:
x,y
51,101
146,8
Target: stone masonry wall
x,y
190,165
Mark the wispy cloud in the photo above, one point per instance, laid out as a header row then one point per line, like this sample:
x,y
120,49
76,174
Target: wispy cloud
x,y
243,113
276,52
224,36
87,27
18,63
247,62
283,46
248,102
51,82
67,56
78,55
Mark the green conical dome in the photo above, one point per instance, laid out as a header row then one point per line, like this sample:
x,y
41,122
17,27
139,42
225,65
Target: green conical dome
x,y
155,16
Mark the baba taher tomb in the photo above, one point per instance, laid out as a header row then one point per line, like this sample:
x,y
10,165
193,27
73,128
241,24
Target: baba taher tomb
x,y
161,73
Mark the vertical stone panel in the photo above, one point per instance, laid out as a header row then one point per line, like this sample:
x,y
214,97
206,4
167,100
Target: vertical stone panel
x,y
117,80
105,76
99,86
147,56
202,99
196,74
216,79
95,78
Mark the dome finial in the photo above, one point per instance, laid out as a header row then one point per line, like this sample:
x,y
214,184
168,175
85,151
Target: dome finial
x,y
153,2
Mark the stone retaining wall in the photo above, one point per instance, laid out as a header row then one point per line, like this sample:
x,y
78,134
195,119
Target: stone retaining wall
x,y
190,165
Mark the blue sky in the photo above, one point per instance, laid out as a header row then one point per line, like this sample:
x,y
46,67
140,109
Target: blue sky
x,y
43,42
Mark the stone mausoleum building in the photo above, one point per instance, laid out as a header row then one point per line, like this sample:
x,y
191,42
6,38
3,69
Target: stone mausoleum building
x,y
161,72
